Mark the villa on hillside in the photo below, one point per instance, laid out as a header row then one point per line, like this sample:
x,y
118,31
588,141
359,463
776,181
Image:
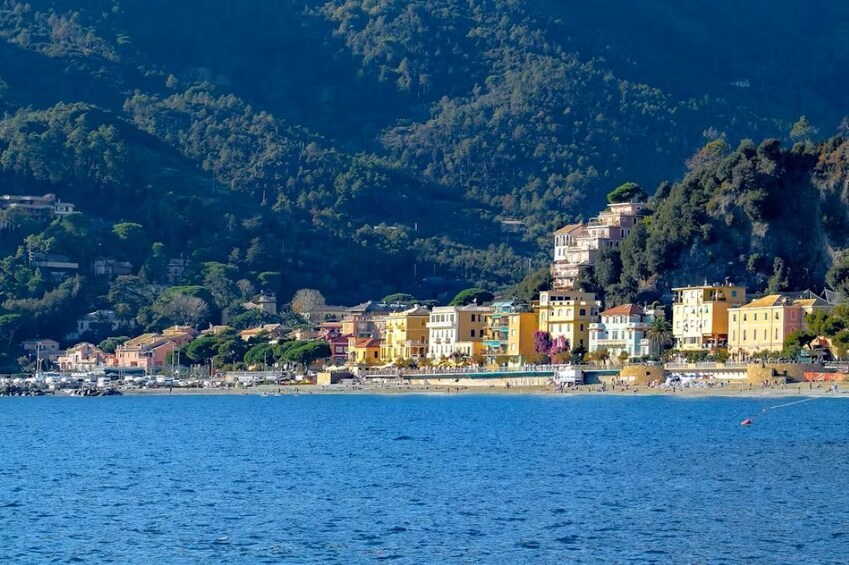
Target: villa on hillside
x,y
47,206
576,246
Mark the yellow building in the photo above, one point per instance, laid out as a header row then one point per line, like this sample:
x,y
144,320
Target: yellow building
x,y
510,332
456,331
700,315
406,335
764,324
364,351
568,314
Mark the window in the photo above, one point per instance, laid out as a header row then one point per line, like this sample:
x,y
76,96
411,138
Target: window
x,y
776,315
733,317
473,333
583,312
734,293
582,327
744,317
744,335
473,317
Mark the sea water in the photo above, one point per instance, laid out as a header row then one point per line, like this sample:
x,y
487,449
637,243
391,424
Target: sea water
x,y
423,479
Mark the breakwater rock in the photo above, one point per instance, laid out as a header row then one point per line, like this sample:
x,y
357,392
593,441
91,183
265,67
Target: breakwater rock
x,y
97,392
15,390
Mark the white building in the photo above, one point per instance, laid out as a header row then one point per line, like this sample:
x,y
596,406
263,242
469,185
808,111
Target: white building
x,y
456,330
623,330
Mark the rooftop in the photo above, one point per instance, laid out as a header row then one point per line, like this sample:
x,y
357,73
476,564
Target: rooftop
x,y
624,310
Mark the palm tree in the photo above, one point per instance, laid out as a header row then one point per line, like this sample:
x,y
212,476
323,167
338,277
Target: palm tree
x,y
659,334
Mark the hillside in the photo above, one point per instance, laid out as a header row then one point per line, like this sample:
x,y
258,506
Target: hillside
x,y
764,216
364,148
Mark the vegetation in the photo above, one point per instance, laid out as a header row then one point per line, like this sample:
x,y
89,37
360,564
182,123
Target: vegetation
x,y
627,192
220,159
477,296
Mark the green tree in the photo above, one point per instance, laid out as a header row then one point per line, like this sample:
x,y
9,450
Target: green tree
x,y
627,192
802,130
260,353
110,344
306,353
399,298
477,296
659,334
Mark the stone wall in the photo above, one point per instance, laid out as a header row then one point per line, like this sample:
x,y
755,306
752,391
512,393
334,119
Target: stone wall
x,y
642,374
794,372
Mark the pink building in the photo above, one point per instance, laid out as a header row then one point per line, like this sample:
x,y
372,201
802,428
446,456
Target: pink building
x,y
148,352
83,357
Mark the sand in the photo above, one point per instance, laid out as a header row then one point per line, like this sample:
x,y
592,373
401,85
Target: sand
x,y
732,390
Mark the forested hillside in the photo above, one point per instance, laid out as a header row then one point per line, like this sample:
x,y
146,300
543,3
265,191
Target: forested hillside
x,y
369,147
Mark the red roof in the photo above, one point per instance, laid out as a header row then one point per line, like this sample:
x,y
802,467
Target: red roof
x,y
624,310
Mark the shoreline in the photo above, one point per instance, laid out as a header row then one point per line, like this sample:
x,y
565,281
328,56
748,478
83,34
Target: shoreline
x,y
731,391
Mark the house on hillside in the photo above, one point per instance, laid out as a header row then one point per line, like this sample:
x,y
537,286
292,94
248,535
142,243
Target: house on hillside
x,y
576,246
269,331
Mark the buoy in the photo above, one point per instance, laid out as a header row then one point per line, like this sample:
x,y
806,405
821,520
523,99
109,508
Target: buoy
x,y
746,422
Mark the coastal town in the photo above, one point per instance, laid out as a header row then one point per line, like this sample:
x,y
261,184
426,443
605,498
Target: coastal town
x,y
710,332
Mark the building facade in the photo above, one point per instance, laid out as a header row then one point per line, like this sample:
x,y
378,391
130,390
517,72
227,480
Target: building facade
x,y
364,351
509,333
764,324
147,351
568,314
622,330
577,245
456,331
700,315
83,357
406,335
47,206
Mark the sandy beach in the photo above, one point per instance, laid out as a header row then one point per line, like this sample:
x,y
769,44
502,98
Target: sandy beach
x,y
732,390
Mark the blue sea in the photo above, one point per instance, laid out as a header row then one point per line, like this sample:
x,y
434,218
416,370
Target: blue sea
x,y
422,479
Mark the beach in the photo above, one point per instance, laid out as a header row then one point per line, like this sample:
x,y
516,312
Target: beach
x,y
728,390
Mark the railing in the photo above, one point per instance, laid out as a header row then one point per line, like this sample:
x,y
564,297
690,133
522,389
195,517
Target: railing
x,y
707,365
378,372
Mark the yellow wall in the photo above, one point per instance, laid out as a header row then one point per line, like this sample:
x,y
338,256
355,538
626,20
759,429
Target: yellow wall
x,y
698,316
405,337
759,329
365,355
571,318
520,336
